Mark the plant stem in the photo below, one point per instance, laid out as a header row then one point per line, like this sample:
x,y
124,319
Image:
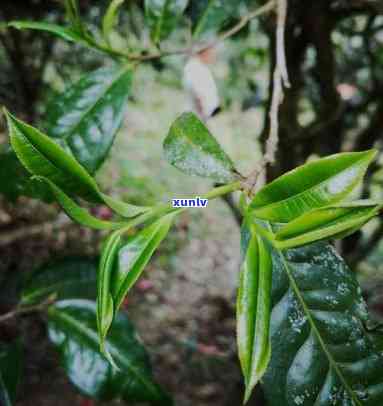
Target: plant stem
x,y
194,48
166,208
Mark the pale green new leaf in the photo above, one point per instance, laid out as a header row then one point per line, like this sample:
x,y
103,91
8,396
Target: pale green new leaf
x,y
105,304
121,264
315,184
134,255
191,148
42,157
253,310
326,222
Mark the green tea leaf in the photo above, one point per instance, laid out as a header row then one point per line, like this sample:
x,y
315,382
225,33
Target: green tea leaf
x,y
69,278
11,359
134,255
105,304
122,262
315,184
162,17
86,117
72,329
326,222
253,311
109,19
208,16
22,184
322,353
66,33
43,157
77,213
191,148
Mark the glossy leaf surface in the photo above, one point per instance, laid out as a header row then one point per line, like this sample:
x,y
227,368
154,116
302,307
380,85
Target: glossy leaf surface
x,y
253,310
76,212
69,278
11,360
105,303
121,264
326,222
72,329
134,255
208,16
86,117
322,353
43,157
46,159
315,184
66,33
162,17
191,148
22,184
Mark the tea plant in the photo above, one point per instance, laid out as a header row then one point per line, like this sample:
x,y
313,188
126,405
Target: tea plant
x,y
303,330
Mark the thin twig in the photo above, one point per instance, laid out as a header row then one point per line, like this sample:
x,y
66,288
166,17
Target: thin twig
x,y
19,310
280,79
194,48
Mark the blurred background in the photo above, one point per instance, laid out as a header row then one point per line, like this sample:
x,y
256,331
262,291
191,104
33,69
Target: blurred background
x,y
184,306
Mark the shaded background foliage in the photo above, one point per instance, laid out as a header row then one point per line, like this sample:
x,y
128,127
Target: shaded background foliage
x,y
335,59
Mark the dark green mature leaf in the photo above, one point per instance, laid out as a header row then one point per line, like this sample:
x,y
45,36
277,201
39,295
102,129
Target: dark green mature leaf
x,y
253,310
191,148
208,16
72,329
326,222
322,353
66,33
87,116
4,396
21,185
46,159
122,262
11,358
315,184
162,17
69,278
134,255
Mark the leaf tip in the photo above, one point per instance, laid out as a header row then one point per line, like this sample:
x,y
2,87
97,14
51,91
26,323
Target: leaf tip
x,y
248,392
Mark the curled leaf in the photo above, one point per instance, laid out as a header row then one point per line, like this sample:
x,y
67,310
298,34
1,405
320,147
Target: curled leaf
x,y
326,222
315,184
253,310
